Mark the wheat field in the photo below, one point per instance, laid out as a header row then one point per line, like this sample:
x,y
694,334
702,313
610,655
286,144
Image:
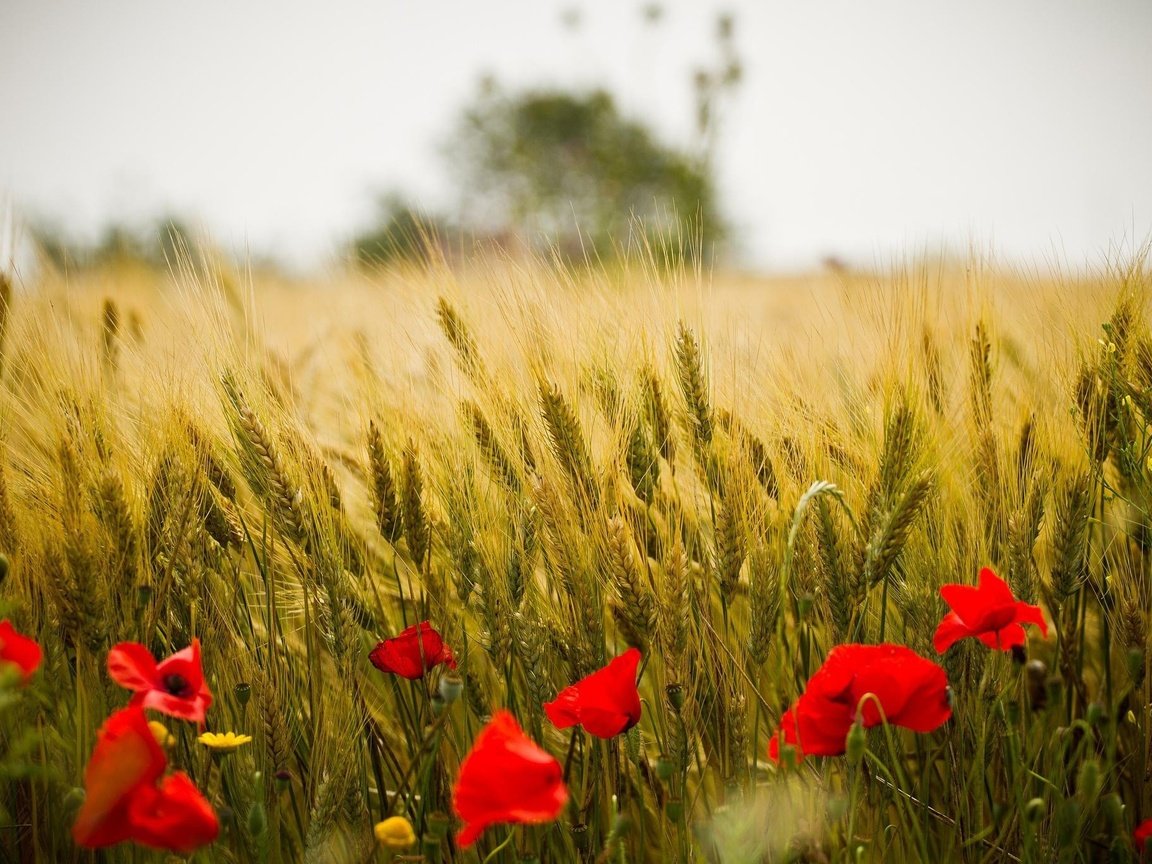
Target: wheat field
x,y
733,474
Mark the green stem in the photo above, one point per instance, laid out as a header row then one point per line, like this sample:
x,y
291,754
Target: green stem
x,y
500,848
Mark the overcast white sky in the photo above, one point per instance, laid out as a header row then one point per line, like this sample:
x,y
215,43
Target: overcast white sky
x,y
863,129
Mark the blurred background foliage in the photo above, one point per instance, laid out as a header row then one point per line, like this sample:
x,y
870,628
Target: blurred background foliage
x,y
544,171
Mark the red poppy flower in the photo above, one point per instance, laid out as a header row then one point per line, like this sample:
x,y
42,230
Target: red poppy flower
x,y
175,686
124,802
412,653
1142,835
19,650
988,612
605,703
506,778
912,690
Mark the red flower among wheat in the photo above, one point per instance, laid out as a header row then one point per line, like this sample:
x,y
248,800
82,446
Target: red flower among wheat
x,y
606,703
127,799
506,778
987,612
911,690
175,686
412,653
19,651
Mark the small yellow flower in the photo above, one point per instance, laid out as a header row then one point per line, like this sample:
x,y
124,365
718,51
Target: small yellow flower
x,y
395,832
160,733
223,742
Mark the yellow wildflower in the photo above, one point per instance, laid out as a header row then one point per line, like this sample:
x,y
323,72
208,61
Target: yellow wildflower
x,y
223,742
395,832
161,734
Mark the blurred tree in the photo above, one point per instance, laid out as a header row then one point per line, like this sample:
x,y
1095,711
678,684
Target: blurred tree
x,y
401,233
570,169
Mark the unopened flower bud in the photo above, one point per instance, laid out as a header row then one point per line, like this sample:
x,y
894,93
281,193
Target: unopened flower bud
x,y
243,692
856,743
664,768
395,832
257,819
1036,674
675,693
1113,809
1088,781
74,799
1095,713
438,825
451,686
581,837
674,809
1034,810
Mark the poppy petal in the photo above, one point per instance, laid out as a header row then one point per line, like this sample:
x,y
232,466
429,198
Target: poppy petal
x,y
1004,639
950,631
966,602
131,665
185,663
564,710
18,649
175,816
994,591
193,709
506,777
1026,613
412,653
125,759
606,703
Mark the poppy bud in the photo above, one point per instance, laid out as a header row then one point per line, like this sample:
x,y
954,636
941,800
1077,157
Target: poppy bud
x,y
674,809
632,744
1113,809
1034,810
1088,781
243,692
257,819
451,686
1036,674
438,824
395,832
581,838
283,778
856,743
1095,713
665,768
74,799
675,693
